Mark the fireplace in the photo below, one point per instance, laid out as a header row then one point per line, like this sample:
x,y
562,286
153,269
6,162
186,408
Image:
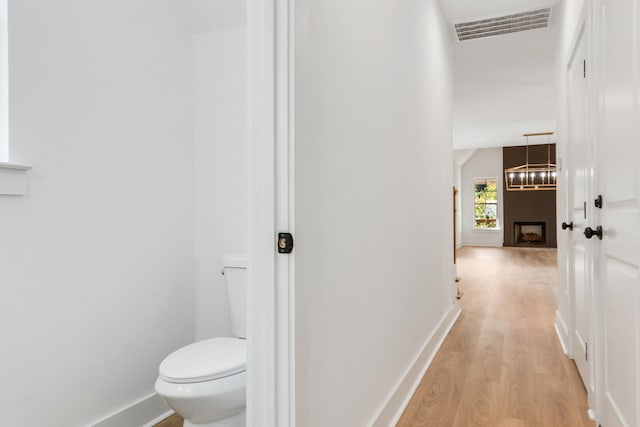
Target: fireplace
x,y
529,233
528,207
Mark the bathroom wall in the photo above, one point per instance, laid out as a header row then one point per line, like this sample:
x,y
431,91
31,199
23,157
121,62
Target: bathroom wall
x,y
96,262
221,174
374,283
484,163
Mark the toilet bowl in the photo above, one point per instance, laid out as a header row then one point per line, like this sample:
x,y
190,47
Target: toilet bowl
x,y
205,382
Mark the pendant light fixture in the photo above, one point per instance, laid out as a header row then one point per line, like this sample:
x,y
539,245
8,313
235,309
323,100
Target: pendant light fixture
x,y
532,176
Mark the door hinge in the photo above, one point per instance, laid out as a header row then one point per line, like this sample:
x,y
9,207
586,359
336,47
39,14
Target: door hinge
x,y
586,351
285,243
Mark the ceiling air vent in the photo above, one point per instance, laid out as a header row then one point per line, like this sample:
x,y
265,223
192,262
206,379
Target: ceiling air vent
x,y
523,21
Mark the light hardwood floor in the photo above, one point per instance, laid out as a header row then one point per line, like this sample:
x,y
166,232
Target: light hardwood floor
x,y
173,421
501,364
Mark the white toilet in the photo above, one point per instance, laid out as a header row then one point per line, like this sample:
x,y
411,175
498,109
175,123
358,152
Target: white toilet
x,y
205,382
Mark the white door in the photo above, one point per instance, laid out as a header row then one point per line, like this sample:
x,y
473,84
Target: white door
x,y
618,179
579,211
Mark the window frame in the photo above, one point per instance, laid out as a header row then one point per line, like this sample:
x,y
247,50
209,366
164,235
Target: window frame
x,y
497,203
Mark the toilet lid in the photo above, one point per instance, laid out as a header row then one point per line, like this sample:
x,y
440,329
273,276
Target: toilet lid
x,y
205,361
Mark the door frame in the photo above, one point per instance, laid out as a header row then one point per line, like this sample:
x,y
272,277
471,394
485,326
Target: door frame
x,y
585,30
565,326
271,298
579,35
596,12
579,32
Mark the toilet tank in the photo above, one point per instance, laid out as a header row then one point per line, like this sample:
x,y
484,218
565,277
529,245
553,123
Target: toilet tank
x,y
235,273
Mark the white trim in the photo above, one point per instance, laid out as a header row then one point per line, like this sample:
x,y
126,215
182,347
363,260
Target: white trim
x,y
158,419
483,245
260,316
285,215
562,332
13,179
145,412
271,348
591,16
4,82
583,32
395,404
579,29
8,165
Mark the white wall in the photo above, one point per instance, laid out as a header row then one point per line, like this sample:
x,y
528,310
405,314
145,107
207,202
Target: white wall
x,y
204,16
221,175
4,83
460,157
373,203
568,17
96,262
484,163
491,107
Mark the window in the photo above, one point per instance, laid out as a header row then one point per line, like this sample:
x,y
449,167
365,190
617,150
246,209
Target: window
x,y
486,203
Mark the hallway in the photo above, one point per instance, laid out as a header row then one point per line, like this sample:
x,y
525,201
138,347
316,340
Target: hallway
x,y
501,364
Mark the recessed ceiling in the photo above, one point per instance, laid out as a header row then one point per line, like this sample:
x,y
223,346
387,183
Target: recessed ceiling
x,y
504,86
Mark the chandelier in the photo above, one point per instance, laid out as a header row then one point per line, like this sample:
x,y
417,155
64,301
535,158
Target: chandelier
x,y
532,176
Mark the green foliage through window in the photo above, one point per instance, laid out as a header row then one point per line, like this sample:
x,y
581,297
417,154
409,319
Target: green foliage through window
x,y
486,203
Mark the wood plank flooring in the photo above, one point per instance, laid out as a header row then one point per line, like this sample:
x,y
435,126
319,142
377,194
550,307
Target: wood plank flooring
x,y
501,364
174,420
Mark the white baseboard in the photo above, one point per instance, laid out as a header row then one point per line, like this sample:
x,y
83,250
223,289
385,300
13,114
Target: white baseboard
x,y
146,412
483,245
562,332
399,398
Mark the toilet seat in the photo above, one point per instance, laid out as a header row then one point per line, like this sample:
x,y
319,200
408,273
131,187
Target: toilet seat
x,y
205,361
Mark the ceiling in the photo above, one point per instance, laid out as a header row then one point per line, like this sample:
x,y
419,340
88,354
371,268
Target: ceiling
x,y
461,10
203,16
503,86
